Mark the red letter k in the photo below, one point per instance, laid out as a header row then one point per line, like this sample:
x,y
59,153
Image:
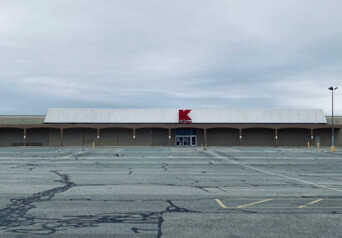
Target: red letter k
x,y
183,115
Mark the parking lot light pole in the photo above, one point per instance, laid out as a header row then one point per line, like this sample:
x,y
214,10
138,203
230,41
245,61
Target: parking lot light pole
x,y
332,119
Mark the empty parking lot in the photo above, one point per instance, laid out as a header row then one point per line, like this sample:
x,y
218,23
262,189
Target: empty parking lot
x,y
170,192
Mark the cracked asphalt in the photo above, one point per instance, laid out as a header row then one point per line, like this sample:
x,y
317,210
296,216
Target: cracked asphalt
x,y
170,192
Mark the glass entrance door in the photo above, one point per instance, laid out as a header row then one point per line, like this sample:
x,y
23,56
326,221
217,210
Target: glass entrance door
x,y
186,140
186,137
179,140
194,140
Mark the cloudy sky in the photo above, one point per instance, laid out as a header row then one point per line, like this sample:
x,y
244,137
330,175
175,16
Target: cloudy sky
x,y
235,54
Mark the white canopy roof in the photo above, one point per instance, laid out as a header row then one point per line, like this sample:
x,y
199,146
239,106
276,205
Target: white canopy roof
x,y
82,115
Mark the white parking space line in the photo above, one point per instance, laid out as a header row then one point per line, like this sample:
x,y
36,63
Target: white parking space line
x,y
275,174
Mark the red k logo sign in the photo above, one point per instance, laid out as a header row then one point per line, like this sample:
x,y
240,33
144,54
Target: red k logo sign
x,y
184,117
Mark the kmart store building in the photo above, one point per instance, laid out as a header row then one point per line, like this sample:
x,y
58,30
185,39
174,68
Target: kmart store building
x,y
170,127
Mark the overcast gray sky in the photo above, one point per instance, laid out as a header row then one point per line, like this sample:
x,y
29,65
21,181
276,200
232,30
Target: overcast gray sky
x,y
235,54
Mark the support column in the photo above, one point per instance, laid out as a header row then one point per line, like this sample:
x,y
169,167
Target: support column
x,y
98,136
312,137
24,137
276,137
169,137
61,138
205,137
240,137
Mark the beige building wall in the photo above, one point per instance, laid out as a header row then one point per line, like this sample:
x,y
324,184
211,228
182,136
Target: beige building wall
x,y
338,137
173,137
73,137
125,137
258,137
38,133
143,137
90,137
325,137
37,136
200,137
54,137
109,137
294,137
11,136
160,137
223,137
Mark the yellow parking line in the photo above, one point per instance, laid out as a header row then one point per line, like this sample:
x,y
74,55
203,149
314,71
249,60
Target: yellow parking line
x,y
318,200
250,204
220,203
290,208
313,202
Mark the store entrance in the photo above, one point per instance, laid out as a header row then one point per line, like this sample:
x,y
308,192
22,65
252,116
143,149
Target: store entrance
x,y
186,137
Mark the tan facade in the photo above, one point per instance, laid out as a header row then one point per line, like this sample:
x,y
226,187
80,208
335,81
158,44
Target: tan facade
x,y
35,133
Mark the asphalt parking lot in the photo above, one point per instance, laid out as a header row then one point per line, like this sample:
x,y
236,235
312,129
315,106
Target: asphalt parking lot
x,y
170,192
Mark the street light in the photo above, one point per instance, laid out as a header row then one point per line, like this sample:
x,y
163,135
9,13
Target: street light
x,y
332,119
